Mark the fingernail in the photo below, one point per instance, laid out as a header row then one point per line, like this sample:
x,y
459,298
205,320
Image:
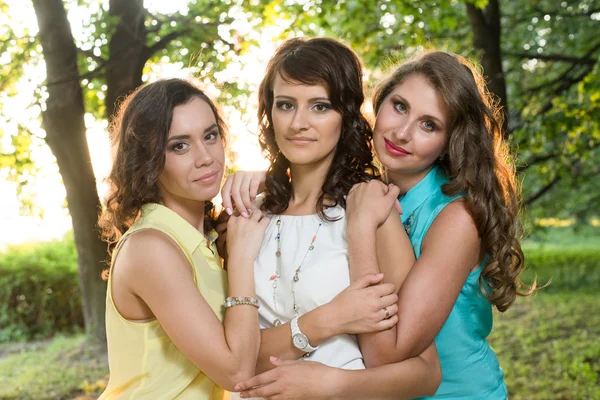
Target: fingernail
x,y
229,211
273,358
243,395
237,388
250,210
245,214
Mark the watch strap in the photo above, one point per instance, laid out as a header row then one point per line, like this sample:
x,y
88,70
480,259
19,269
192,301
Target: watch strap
x,y
296,331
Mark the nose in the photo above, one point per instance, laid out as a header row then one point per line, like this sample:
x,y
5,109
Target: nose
x,y
300,121
203,157
403,131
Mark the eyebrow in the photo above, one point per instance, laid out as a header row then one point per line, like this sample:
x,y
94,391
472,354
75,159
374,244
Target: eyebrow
x,y
179,137
408,106
312,100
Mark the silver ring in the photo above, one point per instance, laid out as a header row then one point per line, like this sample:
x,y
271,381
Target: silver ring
x,y
387,312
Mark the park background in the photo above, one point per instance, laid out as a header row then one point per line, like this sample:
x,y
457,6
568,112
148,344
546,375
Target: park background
x,y
65,64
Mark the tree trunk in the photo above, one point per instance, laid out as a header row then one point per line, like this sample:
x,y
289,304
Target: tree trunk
x,y
63,121
485,25
127,52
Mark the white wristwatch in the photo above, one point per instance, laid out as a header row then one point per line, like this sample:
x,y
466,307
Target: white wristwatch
x,y
299,339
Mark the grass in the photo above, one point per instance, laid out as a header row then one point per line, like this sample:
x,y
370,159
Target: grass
x,y
548,344
61,368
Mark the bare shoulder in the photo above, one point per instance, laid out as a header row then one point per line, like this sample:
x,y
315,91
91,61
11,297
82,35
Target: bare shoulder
x,y
455,217
151,252
454,226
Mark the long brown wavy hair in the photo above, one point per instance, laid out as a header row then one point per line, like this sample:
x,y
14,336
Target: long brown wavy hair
x,y
327,62
478,163
140,132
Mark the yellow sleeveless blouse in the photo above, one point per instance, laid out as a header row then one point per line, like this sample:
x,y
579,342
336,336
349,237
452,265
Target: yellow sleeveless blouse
x,y
144,362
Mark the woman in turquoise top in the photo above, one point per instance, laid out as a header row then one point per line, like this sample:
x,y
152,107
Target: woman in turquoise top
x,y
438,136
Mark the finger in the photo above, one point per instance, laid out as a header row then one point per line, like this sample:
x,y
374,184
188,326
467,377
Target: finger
x,y
393,191
389,300
263,392
226,195
393,309
245,192
237,197
398,206
383,289
255,186
388,323
367,280
256,215
259,380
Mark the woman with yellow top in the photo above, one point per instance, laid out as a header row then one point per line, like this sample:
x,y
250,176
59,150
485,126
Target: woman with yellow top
x,y
168,333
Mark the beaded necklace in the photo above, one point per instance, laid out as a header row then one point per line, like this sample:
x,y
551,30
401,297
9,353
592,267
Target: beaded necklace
x,y
275,278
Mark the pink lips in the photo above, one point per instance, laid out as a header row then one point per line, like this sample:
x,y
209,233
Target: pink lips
x,y
395,151
207,179
301,141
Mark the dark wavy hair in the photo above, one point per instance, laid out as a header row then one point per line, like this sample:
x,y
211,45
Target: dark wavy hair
x,y
327,62
140,132
478,163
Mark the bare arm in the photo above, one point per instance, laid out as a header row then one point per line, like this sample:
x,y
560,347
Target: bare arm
x,y
418,376
451,249
356,309
160,275
371,249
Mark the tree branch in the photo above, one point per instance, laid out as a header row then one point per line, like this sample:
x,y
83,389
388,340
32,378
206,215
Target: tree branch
x,y
90,53
164,42
542,191
555,57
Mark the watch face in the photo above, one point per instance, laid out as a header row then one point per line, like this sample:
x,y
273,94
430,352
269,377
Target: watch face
x,y
300,341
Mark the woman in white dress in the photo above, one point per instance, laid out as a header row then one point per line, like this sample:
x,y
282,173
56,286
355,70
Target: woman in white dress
x,y
318,144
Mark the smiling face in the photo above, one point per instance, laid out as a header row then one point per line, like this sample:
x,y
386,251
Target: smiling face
x,y
411,129
307,129
195,156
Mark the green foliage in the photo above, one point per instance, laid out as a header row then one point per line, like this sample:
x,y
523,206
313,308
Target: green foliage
x,y
62,368
39,291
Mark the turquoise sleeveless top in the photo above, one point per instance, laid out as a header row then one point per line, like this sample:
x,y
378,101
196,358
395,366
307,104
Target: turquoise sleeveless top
x,y
470,368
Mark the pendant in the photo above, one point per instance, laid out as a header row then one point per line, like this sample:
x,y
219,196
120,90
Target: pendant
x,y
277,322
407,224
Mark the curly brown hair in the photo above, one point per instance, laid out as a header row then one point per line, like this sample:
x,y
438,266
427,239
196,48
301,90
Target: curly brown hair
x,y
478,163
140,132
327,62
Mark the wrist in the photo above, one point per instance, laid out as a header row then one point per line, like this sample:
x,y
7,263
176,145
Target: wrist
x,y
317,325
360,225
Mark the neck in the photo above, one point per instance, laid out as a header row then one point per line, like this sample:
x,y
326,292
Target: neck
x,y
190,210
406,181
307,182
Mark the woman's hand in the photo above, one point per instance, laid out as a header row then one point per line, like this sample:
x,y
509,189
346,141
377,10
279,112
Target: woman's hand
x,y
245,235
370,203
365,306
240,190
292,380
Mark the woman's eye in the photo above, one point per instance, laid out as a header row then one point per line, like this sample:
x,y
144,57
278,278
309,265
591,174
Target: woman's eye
x,y
181,146
285,106
428,125
211,136
400,107
322,107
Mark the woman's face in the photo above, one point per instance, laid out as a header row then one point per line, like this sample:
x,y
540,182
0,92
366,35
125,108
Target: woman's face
x,y
307,128
195,156
410,131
